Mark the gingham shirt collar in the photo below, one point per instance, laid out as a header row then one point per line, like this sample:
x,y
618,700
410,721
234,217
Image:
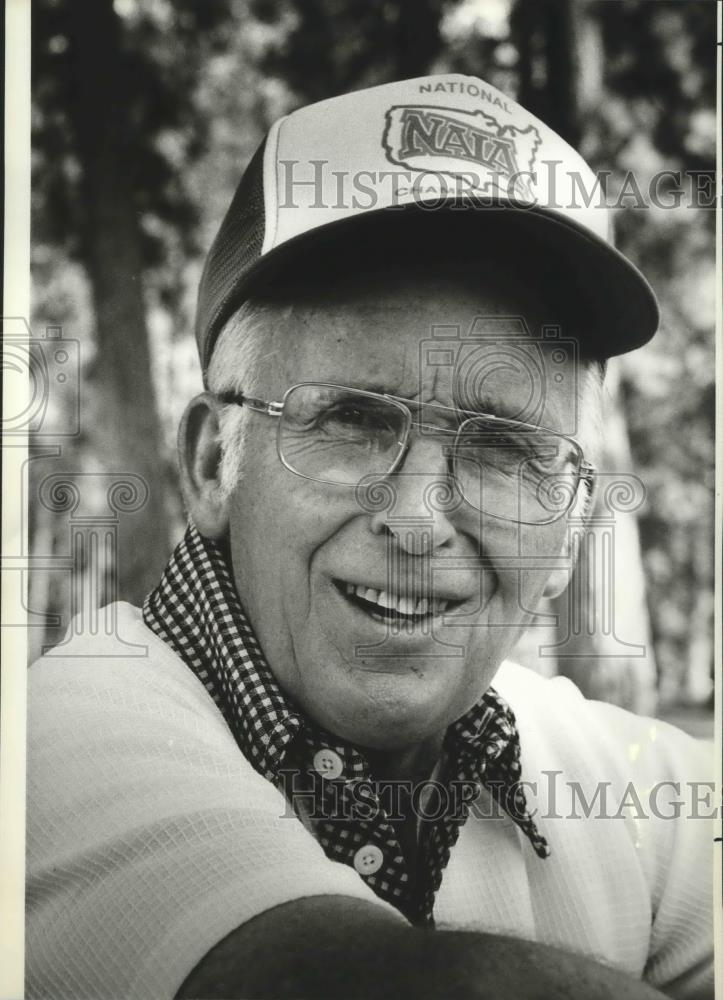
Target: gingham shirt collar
x,y
195,609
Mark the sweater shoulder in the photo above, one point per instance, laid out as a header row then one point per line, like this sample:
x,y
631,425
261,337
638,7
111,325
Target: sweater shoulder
x,y
125,670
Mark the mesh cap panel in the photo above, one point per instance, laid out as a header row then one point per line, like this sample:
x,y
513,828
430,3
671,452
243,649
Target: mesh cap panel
x,y
237,246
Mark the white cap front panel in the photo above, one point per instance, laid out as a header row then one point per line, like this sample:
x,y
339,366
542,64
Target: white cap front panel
x,y
421,140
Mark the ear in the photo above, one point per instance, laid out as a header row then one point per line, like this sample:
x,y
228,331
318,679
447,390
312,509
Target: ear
x,y
199,454
581,509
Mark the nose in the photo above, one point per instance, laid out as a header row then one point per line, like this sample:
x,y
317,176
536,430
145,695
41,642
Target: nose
x,y
421,498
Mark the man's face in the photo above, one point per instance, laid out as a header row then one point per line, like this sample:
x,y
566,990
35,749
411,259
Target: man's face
x,y
305,552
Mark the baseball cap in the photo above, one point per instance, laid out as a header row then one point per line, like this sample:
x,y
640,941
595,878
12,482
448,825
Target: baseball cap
x,y
362,165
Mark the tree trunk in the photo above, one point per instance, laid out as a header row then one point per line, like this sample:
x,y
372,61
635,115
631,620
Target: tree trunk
x,y
544,32
126,432
417,37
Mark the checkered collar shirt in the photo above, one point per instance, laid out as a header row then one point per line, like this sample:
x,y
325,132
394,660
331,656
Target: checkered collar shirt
x,y
327,782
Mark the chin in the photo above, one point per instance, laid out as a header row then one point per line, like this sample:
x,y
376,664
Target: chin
x,y
391,722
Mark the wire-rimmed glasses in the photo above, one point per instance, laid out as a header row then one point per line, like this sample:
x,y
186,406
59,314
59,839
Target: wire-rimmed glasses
x,y
504,468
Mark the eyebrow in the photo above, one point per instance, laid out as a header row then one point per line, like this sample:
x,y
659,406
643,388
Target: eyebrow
x,y
488,409
375,387
499,411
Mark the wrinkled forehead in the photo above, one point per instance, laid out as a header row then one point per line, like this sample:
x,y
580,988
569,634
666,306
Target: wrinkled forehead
x,y
483,341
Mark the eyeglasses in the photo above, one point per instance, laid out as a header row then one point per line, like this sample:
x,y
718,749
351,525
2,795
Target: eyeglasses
x,y
504,468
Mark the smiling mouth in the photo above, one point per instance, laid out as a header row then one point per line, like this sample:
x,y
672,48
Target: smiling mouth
x,y
385,606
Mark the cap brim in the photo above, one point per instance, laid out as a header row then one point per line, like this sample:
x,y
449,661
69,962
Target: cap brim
x,y
612,306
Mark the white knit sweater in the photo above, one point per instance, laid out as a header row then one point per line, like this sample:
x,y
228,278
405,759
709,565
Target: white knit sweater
x,y
150,837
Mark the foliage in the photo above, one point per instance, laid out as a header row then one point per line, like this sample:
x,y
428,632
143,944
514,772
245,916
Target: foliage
x,y
163,47
334,47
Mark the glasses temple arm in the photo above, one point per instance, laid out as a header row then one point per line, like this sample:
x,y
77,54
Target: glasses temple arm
x,y
269,407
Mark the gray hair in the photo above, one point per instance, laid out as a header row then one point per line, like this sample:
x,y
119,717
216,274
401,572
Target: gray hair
x,y
236,353
239,349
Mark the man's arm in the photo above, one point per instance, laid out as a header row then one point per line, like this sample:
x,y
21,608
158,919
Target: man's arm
x,y
334,946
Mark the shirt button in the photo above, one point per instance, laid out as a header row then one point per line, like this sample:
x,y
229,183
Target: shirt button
x,y
328,763
368,859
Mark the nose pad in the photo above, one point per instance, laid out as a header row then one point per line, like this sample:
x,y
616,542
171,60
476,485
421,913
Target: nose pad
x,y
584,500
414,504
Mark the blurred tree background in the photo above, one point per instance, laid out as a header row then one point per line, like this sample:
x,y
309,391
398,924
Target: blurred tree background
x,y
145,113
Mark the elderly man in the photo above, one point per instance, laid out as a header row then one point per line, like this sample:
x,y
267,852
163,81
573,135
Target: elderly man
x,y
306,767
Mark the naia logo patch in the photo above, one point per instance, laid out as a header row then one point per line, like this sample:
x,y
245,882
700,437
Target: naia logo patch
x,y
420,136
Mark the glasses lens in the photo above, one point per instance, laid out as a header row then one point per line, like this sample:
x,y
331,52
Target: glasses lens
x,y
517,473
339,435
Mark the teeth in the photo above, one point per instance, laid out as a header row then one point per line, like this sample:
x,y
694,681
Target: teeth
x,y
395,602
